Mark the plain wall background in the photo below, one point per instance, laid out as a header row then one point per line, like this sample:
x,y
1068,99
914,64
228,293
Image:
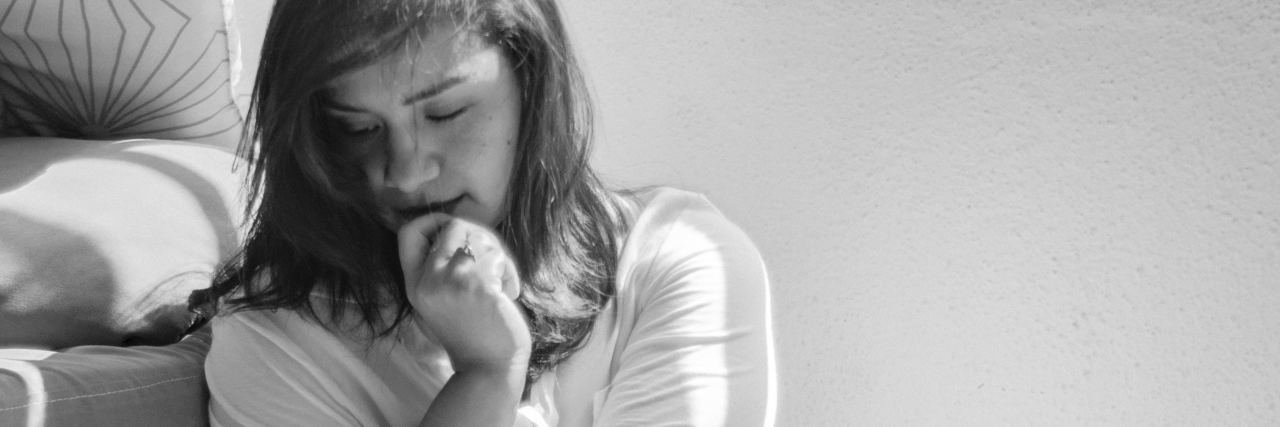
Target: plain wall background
x,y
975,213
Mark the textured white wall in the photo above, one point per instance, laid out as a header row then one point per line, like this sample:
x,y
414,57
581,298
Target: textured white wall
x,y
989,212
1026,213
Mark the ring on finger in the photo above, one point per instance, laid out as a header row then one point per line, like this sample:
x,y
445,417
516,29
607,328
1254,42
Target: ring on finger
x,y
465,249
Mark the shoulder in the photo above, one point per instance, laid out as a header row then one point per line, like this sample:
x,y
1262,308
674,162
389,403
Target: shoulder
x,y
654,213
665,219
291,325
677,235
256,345
253,333
280,367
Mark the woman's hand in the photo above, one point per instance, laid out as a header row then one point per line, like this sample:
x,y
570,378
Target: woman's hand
x,y
462,285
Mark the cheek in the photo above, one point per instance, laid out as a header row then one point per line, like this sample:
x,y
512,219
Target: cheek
x,y
491,137
494,153
373,169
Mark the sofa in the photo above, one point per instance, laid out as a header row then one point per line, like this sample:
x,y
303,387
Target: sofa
x,y
120,195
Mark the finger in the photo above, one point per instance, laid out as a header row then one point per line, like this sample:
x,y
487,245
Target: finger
x,y
500,268
489,269
462,267
452,245
416,239
510,279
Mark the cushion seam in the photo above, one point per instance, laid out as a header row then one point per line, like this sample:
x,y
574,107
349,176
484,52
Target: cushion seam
x,y
62,399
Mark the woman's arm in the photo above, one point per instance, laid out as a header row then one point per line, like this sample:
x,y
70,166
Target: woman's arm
x,y
700,349
477,397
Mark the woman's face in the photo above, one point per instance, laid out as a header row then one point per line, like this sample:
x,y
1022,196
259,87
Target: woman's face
x,y
433,127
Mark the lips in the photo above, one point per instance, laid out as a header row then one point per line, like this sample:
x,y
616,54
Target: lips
x,y
407,214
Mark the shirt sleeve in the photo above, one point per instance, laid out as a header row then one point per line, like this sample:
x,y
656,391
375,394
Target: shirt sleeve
x,y
268,368
699,350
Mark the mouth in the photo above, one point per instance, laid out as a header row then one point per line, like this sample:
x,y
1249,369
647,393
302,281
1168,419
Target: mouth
x,y
406,214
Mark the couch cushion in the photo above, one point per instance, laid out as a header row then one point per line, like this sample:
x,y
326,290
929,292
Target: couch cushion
x,y
101,243
106,386
110,69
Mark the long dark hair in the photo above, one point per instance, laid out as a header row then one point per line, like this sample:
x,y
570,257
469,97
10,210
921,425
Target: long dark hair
x,y
312,227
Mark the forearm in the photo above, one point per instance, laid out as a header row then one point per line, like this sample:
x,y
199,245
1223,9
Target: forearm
x,y
477,397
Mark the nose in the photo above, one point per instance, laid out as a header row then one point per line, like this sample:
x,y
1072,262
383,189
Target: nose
x,y
411,161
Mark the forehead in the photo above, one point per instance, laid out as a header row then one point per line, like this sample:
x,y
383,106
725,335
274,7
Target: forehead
x,y
443,51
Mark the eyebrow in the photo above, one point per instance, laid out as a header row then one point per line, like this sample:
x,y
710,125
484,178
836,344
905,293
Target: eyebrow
x,y
434,89
428,92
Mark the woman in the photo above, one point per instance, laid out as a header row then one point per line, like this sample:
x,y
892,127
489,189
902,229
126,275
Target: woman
x,y
429,245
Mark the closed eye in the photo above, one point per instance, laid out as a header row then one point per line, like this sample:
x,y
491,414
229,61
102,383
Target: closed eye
x,y
357,131
447,117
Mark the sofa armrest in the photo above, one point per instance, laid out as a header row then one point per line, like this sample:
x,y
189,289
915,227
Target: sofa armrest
x,y
106,385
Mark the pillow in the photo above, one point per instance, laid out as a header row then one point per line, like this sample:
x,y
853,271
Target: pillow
x,y
106,386
112,69
101,243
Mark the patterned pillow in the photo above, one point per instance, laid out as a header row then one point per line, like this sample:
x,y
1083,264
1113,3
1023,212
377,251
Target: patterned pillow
x,y
112,69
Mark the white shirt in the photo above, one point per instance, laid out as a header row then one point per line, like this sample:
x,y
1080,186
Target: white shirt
x,y
687,340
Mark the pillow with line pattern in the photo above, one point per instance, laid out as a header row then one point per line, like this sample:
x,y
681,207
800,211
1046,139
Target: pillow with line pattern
x,y
113,69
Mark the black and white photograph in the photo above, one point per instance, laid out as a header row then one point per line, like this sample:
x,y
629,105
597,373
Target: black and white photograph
x,y
543,213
